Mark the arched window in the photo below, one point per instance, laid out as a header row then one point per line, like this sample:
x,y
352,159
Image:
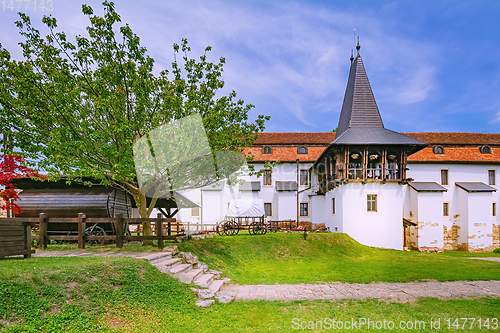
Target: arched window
x,y
267,150
485,150
302,150
438,150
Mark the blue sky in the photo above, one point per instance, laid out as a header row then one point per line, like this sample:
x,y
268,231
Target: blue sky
x,y
432,65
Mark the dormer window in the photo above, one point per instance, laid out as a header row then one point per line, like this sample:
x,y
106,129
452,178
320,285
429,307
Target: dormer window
x,y
485,150
267,150
302,150
438,150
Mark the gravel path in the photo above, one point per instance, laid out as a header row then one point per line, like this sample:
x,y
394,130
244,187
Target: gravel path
x,y
402,292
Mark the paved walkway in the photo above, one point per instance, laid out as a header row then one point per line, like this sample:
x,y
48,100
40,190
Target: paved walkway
x,y
497,259
402,292
395,292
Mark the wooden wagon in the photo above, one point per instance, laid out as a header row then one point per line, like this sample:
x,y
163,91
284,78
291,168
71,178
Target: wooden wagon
x,y
244,215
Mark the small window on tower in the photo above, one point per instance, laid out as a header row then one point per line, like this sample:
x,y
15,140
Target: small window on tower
x,y
438,150
302,150
371,203
485,150
267,150
494,209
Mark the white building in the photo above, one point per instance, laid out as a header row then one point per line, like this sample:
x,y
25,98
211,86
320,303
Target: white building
x,y
368,181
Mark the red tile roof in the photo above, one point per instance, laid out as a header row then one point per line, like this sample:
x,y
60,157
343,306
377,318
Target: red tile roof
x,y
317,142
456,154
453,138
284,154
290,138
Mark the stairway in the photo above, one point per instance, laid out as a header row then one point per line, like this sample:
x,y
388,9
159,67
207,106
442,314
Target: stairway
x,y
187,269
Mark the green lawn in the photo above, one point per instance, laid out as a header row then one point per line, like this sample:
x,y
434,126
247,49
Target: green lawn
x,y
75,294
288,258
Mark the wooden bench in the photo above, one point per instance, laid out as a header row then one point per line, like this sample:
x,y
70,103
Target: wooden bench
x,y
15,238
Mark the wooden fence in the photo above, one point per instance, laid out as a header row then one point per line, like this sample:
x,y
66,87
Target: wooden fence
x,y
15,238
77,229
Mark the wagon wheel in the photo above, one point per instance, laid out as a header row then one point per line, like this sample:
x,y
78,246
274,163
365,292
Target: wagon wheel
x,y
95,231
220,229
231,228
257,228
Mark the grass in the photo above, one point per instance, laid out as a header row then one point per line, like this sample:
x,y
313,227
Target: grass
x,y
288,258
75,294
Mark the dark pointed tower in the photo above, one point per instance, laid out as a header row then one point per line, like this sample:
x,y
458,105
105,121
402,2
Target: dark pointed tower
x,y
363,149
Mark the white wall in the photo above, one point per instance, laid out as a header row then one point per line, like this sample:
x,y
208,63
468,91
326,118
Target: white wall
x,y
383,228
472,212
427,211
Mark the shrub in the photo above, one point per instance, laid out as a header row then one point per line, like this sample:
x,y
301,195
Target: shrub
x,y
497,250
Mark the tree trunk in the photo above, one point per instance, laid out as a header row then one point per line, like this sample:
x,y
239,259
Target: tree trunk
x,y
144,210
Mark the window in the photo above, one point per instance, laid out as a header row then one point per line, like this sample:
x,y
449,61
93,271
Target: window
x,y
304,209
438,150
494,206
444,177
268,208
446,209
304,177
302,150
491,177
371,202
267,150
195,211
485,150
333,206
267,178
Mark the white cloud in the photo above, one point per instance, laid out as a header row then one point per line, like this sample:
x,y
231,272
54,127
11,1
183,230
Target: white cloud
x,y
496,118
293,56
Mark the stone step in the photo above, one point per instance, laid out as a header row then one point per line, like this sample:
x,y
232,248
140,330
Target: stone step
x,y
180,268
204,280
169,262
157,255
216,285
189,276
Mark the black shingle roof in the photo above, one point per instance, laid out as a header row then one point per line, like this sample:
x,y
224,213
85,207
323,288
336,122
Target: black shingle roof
x,y
359,108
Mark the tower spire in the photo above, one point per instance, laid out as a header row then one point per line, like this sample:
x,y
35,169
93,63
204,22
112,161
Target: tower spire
x,y
352,56
358,46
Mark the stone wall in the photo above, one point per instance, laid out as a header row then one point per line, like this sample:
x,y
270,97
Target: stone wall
x,y
496,236
451,238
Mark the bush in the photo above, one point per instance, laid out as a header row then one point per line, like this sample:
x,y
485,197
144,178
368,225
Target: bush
x,y
497,250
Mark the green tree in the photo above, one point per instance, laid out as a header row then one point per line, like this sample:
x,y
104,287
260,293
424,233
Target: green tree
x,y
76,108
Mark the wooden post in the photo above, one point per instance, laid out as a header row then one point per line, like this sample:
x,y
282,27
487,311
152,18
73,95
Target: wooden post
x,y
159,230
27,231
119,230
169,228
42,226
81,231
